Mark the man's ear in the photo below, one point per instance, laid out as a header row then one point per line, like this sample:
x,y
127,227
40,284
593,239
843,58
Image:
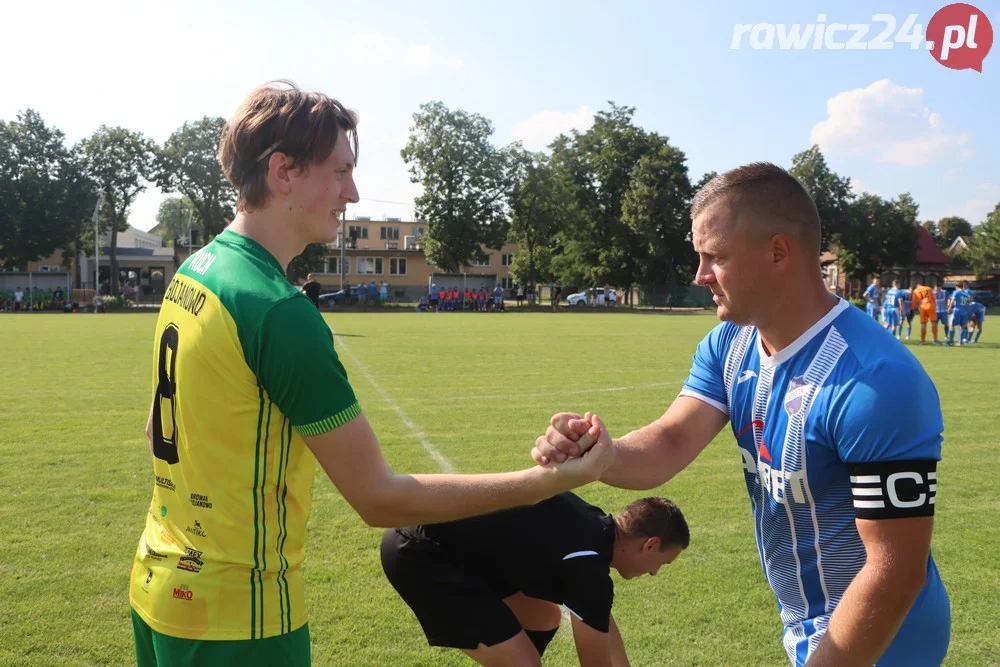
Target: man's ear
x,y
781,246
651,543
279,167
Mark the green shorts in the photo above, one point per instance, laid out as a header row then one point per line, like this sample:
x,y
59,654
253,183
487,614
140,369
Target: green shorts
x,y
153,649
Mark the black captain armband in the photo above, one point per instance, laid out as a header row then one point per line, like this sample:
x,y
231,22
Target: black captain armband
x,y
893,489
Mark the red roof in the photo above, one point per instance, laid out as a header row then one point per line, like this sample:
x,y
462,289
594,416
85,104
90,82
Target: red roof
x,y
928,252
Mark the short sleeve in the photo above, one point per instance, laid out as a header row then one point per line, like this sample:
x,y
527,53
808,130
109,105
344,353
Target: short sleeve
x,y
299,369
888,412
706,381
590,592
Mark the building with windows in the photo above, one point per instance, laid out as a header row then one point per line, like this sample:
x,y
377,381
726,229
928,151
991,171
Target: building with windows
x,y
393,250
929,267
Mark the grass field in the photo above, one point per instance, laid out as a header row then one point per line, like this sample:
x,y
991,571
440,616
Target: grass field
x,y
75,481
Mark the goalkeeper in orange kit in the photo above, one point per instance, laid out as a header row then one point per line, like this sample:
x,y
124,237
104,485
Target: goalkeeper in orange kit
x,y
923,298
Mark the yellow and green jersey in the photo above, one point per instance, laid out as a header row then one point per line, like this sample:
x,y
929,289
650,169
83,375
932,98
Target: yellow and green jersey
x,y
243,367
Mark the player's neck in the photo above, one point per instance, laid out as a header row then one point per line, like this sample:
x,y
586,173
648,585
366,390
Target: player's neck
x,y
812,303
271,232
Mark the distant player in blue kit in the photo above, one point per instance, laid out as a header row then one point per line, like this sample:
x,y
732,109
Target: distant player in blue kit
x,y
872,296
842,499
941,299
906,302
892,313
977,314
960,300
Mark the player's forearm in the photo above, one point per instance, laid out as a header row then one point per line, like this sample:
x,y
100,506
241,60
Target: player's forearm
x,y
412,499
867,617
645,459
619,658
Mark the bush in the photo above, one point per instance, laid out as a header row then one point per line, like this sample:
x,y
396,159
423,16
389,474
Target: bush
x,y
113,302
860,303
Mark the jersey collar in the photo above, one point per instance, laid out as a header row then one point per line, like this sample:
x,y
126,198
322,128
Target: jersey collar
x,y
252,246
801,341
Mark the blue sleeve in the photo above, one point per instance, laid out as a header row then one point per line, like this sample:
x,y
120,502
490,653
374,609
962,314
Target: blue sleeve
x,y
869,422
706,380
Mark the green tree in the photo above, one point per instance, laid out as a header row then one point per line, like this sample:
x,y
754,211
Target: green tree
x,y
984,250
951,227
832,193
45,194
597,167
703,181
657,208
908,207
120,161
310,261
173,215
877,235
466,181
188,164
542,209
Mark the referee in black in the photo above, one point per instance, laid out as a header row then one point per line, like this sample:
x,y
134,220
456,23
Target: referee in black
x,y
491,585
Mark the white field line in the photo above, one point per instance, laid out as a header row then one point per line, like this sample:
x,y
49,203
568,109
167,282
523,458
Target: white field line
x,y
442,461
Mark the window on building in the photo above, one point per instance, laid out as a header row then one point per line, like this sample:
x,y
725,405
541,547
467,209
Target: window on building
x,y
506,259
333,265
397,266
357,232
389,234
370,266
477,262
507,282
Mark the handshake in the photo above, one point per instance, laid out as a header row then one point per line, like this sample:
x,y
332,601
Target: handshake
x,y
575,445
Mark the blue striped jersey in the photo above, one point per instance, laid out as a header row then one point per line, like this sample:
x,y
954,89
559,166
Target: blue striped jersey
x,y
803,418
891,298
941,299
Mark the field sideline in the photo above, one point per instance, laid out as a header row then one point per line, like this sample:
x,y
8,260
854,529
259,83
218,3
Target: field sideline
x,y
467,390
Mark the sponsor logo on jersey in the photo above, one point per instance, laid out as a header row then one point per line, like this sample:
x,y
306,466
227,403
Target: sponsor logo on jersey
x,y
191,561
154,555
781,484
165,483
199,500
163,511
182,592
196,529
747,375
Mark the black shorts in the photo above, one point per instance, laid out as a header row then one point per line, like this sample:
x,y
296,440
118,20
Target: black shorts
x,y
455,607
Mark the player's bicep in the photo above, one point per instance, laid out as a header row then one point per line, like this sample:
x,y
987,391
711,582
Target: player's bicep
x,y
593,647
898,548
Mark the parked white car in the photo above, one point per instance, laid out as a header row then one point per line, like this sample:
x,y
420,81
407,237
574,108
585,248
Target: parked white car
x,y
582,299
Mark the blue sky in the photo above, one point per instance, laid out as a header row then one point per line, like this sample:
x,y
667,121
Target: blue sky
x,y
893,120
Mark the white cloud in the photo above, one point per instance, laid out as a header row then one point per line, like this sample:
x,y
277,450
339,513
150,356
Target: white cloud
x,y
860,187
424,55
542,127
375,48
890,122
982,202
397,141
370,48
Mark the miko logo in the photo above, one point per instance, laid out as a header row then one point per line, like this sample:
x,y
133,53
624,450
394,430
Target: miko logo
x,y
182,592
